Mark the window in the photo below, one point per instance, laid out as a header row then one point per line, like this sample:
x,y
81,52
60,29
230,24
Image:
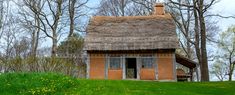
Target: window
x,y
147,62
115,63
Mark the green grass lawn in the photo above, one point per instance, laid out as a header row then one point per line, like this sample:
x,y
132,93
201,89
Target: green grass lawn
x,y
56,84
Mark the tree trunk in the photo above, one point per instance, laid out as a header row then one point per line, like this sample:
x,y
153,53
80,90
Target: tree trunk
x,y
36,42
35,37
230,74
197,38
122,6
54,44
32,53
231,67
71,16
204,65
54,28
186,25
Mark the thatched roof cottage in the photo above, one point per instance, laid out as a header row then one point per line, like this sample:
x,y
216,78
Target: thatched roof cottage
x,y
132,47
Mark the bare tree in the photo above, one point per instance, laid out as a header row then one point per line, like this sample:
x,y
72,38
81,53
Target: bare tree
x,y
126,7
227,46
21,47
219,69
49,16
75,12
4,9
182,16
71,16
9,36
1,24
30,22
114,8
144,7
56,14
1,13
199,8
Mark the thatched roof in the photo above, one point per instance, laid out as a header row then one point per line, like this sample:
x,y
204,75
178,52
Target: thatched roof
x,y
131,33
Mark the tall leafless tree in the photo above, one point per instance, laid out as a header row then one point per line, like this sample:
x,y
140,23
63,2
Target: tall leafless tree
x,y
227,46
49,16
219,69
182,16
75,10
30,22
199,8
4,8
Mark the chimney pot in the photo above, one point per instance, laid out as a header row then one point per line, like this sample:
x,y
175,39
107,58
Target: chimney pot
x,y
159,9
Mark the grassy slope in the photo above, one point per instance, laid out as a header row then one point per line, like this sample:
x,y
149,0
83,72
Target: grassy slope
x,y
49,83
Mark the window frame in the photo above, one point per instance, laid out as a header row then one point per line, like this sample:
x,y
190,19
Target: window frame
x,y
147,65
113,67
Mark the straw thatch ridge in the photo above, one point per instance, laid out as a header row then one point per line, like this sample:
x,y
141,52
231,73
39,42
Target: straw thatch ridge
x,y
131,33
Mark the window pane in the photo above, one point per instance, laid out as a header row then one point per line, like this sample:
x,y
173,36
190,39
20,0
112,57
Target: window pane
x,y
115,63
147,62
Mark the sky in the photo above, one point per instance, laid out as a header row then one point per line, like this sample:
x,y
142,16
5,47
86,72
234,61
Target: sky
x,y
226,8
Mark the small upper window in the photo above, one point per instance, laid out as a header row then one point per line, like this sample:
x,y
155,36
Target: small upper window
x,y
147,62
115,63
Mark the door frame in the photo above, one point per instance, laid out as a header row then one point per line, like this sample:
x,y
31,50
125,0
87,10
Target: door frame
x,y
127,63
137,66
